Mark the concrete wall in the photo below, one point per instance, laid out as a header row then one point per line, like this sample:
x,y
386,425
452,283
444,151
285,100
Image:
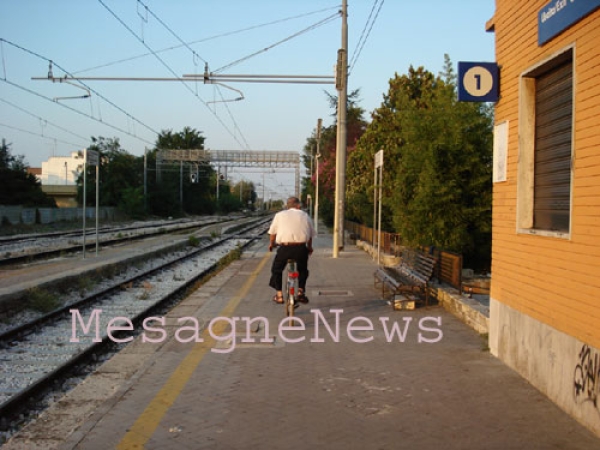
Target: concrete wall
x,y
17,214
562,367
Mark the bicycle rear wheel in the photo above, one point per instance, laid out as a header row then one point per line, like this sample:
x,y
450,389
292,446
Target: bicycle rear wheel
x,y
290,306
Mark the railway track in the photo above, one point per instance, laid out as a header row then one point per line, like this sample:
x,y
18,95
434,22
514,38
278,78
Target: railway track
x,y
33,356
16,249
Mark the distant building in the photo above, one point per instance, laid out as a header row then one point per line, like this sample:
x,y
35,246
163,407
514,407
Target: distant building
x,y
545,295
59,178
62,170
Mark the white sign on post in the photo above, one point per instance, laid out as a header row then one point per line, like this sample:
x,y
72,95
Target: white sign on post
x,y
379,159
377,187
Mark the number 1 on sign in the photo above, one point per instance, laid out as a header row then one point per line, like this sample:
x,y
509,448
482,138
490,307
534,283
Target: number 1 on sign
x,y
478,81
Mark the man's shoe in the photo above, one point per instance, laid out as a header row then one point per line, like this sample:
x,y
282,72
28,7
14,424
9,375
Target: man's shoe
x,y
302,298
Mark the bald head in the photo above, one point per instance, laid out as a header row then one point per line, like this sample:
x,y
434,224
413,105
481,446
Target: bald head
x,y
293,202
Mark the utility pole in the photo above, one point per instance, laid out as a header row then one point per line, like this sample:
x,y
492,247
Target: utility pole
x,y
317,156
340,157
146,180
181,185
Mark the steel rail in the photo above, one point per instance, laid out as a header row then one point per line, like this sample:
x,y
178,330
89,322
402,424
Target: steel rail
x,y
17,402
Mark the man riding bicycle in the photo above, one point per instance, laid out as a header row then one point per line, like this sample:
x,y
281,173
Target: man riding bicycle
x,y
292,232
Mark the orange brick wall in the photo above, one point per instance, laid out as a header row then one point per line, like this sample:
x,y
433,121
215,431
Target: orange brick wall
x,y
553,280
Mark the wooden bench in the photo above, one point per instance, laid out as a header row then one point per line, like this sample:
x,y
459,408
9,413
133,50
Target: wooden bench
x,y
409,280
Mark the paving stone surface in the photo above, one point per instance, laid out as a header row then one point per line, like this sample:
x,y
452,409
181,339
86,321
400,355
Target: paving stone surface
x,y
362,376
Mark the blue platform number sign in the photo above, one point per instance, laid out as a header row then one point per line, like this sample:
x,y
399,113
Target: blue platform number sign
x,y
477,82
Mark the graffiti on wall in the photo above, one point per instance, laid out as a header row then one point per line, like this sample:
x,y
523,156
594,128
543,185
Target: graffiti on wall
x,y
587,376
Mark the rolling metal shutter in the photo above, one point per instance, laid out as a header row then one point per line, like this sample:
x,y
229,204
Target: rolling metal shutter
x,y
553,135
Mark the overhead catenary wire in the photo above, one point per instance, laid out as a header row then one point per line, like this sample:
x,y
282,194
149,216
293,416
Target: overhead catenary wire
x,y
114,127
298,33
171,71
3,59
171,31
206,39
42,119
37,55
40,135
361,42
229,112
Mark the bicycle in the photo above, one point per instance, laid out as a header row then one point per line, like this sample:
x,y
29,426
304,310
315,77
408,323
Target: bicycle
x,y
290,303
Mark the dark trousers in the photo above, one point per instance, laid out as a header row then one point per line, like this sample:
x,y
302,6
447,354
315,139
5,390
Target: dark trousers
x,y
296,252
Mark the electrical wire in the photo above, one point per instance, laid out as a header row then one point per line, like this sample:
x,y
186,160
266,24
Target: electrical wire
x,y
171,31
356,54
210,38
42,119
83,84
362,34
305,30
40,135
196,56
232,118
171,71
114,127
3,60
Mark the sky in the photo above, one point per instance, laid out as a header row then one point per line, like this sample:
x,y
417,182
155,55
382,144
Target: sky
x,y
170,38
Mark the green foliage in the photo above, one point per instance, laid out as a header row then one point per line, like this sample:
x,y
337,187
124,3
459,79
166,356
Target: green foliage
x,y
233,255
247,195
437,166
356,126
188,138
120,174
42,300
170,190
132,201
17,187
228,202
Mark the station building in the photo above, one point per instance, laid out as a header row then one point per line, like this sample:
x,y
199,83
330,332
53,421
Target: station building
x,y
545,295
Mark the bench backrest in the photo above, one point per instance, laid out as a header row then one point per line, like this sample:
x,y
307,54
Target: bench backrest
x,y
420,265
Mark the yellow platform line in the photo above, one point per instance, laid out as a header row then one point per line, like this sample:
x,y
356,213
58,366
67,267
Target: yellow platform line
x,y
145,425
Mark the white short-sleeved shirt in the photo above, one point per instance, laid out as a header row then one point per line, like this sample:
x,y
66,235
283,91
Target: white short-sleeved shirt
x,y
292,225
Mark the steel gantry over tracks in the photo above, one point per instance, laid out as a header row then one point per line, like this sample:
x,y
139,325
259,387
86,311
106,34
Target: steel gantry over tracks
x,y
235,158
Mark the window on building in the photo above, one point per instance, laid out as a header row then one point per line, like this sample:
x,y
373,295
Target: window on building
x,y
546,135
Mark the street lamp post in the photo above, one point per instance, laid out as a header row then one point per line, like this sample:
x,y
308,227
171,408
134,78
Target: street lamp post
x,y
317,156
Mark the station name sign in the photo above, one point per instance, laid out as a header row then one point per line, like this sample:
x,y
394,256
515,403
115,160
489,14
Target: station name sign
x,y
558,15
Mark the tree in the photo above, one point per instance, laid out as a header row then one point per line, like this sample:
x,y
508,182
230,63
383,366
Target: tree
x,y
356,126
199,197
437,165
247,195
121,178
17,187
188,138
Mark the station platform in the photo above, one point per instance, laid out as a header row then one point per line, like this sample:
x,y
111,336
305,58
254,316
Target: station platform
x,y
361,376
60,271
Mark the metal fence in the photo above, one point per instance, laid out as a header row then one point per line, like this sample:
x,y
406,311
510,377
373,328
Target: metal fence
x,y
390,242
449,264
